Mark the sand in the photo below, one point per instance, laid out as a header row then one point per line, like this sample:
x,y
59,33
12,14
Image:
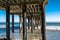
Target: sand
x,y
36,35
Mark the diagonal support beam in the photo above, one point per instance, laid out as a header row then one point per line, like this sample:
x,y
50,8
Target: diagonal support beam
x,y
28,8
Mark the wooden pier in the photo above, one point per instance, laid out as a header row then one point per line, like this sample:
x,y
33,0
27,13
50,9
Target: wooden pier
x,y
31,9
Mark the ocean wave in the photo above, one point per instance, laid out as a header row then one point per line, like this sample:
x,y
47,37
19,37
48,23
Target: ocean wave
x,y
47,27
53,28
4,26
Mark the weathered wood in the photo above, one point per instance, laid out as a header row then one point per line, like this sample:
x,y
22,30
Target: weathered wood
x,y
34,23
28,23
12,26
21,23
7,22
15,2
24,23
43,23
37,23
31,23
17,9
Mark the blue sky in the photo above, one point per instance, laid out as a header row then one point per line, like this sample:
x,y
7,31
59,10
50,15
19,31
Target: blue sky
x,y
52,11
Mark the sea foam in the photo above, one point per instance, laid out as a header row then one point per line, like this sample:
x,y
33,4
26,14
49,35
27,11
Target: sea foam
x,y
52,27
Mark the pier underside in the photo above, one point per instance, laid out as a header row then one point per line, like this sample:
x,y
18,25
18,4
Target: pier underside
x,y
33,10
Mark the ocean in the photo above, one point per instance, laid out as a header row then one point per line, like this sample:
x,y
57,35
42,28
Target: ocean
x,y
52,30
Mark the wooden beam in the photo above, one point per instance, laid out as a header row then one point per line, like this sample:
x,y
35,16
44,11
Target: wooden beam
x,y
32,8
17,8
28,8
35,8
38,8
8,22
21,2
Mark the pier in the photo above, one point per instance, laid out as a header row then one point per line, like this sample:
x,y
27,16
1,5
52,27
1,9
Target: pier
x,y
33,10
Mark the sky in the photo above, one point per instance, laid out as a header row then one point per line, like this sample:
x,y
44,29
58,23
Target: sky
x,y
52,11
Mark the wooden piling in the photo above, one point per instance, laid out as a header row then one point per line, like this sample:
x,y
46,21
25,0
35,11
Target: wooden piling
x,y
20,22
37,23
24,23
12,26
31,23
28,23
43,23
7,22
12,23
34,23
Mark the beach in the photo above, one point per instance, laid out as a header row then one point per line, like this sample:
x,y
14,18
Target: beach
x,y
50,35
